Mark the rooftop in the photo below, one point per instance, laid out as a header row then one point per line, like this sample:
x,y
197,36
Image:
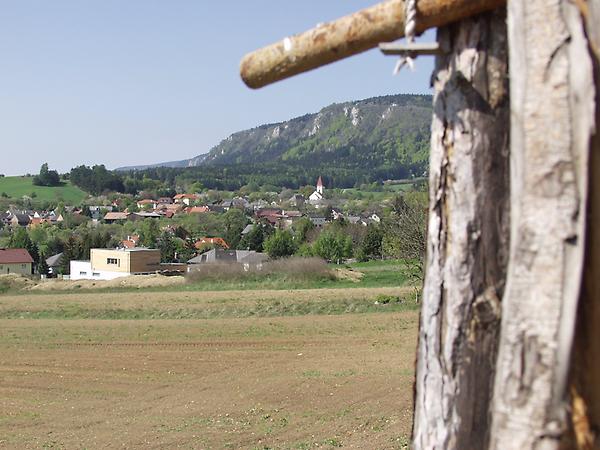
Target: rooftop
x,y
14,256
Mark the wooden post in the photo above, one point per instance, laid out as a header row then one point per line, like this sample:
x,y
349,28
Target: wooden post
x,y
467,236
349,36
552,111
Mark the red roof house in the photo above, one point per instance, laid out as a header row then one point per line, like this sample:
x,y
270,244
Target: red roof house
x,y
15,260
207,240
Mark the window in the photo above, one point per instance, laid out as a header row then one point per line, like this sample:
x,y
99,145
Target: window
x,y
82,273
114,261
23,266
95,274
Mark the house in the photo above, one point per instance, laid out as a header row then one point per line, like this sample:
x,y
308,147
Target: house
x,y
318,221
143,215
226,204
112,217
247,258
186,199
259,204
216,208
54,218
108,264
265,212
211,241
297,200
165,201
253,260
147,204
292,214
169,210
15,260
35,221
96,211
196,209
19,220
54,263
336,215
247,229
130,242
5,218
240,202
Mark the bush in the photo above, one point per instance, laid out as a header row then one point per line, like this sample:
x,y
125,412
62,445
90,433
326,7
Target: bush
x,y
280,244
285,269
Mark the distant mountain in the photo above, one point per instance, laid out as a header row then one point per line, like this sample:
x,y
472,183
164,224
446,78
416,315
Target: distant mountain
x,y
384,131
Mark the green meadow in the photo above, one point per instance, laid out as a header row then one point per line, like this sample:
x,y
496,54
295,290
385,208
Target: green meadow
x,y
17,187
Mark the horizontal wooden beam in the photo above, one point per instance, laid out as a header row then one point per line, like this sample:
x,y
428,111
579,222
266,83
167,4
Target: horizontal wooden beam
x,y
349,36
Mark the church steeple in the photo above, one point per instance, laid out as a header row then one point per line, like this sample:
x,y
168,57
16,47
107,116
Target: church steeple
x,y
320,186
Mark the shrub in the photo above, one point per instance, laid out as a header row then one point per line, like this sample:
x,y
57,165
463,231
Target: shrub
x,y
280,244
285,269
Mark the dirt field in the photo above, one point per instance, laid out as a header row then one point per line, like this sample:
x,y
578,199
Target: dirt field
x,y
273,382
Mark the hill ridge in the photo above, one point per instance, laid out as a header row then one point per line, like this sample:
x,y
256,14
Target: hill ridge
x,y
384,130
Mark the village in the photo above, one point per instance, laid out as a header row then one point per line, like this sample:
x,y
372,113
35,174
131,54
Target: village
x,y
175,235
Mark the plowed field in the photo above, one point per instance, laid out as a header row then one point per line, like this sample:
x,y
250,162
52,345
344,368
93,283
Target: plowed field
x,y
307,381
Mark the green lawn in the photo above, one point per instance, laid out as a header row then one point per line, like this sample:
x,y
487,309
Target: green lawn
x,y
17,187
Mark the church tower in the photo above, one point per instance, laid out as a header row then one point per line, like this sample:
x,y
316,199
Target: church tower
x,y
320,186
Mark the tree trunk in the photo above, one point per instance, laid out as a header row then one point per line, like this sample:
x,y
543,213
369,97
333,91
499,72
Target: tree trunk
x,y
552,111
467,236
585,369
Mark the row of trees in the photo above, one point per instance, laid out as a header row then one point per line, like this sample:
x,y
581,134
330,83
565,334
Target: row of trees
x,y
165,181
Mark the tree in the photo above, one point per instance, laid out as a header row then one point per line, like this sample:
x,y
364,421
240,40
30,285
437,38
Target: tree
x,y
404,233
20,239
149,231
71,252
96,179
280,244
254,239
42,266
333,246
46,177
302,227
235,222
370,247
167,246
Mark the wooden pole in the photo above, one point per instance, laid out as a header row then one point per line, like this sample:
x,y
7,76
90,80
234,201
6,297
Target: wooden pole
x,y
468,236
349,36
552,107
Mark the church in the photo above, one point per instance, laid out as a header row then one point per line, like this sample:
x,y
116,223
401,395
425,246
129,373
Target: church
x,y
317,197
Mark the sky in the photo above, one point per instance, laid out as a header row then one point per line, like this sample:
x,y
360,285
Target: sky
x,y
144,81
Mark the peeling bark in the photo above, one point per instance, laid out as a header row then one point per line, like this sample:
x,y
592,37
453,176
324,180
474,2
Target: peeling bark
x,y
552,111
467,236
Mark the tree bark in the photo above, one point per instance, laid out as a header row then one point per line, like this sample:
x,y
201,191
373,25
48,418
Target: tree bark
x,y
585,369
467,236
552,111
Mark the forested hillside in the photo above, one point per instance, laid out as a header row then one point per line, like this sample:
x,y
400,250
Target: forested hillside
x,y
348,143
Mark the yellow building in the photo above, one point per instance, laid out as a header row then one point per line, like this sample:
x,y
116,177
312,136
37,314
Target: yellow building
x,y
107,264
15,260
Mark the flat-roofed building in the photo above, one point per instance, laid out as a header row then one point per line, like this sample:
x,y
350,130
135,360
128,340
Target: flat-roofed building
x,y
107,264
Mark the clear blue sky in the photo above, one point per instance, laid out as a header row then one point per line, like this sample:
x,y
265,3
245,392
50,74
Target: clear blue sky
x,y
144,81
